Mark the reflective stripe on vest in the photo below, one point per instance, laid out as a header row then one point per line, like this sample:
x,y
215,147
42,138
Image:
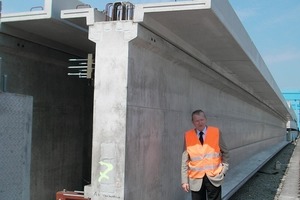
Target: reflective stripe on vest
x,y
207,167
206,158
209,155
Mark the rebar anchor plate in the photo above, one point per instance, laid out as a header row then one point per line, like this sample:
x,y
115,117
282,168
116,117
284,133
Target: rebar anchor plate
x,y
83,68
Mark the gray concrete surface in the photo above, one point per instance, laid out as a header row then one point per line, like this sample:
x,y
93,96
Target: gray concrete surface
x,y
62,115
143,107
150,74
138,138
290,185
15,145
265,182
242,172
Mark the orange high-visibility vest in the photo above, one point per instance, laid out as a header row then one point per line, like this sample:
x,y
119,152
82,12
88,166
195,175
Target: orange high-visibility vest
x,y
206,158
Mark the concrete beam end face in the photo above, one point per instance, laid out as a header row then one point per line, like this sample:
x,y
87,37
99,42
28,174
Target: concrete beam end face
x,y
78,13
24,16
98,16
43,13
138,13
141,9
51,9
59,5
99,29
92,15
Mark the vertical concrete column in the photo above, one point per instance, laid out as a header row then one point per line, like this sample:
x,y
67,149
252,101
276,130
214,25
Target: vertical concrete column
x,y
110,104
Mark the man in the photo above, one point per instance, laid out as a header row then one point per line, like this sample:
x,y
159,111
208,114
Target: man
x,y
204,160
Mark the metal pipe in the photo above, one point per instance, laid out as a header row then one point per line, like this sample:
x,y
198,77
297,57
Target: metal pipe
x,y
129,11
77,67
77,59
108,11
77,74
119,11
115,10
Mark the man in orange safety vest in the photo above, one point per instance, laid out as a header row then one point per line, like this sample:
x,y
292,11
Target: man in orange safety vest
x,y
204,160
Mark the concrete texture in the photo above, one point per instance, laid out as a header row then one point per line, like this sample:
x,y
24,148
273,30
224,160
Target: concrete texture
x,y
143,127
150,74
147,83
110,108
289,188
62,115
15,145
47,28
210,32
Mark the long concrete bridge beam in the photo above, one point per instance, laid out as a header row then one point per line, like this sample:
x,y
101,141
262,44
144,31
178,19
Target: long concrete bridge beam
x,y
152,72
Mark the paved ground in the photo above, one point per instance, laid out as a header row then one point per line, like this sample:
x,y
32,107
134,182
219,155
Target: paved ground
x,y
290,185
274,179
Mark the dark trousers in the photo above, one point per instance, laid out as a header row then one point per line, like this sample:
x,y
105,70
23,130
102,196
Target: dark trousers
x,y
207,192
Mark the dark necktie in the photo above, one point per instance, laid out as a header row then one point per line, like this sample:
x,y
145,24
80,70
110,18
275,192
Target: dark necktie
x,y
201,137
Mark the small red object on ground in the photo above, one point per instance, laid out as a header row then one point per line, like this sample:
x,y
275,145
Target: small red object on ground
x,y
68,195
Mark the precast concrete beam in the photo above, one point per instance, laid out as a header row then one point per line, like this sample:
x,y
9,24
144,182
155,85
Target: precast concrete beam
x,y
90,16
292,125
48,28
211,32
152,72
51,9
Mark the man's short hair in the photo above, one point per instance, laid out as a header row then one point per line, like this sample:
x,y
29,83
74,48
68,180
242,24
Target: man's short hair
x,y
198,112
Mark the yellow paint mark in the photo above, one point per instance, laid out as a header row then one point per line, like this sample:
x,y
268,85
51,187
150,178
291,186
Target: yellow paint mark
x,y
103,175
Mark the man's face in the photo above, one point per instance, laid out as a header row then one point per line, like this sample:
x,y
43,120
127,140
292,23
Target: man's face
x,y
199,121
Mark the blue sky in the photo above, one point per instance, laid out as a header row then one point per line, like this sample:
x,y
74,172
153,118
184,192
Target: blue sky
x,y
273,25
